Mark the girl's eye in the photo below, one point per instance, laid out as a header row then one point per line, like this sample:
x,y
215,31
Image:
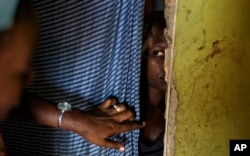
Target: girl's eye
x,y
158,53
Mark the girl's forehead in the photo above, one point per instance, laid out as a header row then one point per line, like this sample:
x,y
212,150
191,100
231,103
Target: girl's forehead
x,y
157,36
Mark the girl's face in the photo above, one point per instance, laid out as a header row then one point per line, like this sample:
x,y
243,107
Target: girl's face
x,y
15,53
155,59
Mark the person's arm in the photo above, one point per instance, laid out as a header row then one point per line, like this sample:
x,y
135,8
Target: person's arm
x,y
95,125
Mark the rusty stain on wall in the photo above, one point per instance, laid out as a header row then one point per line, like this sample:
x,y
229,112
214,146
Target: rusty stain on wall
x,y
216,50
188,12
204,40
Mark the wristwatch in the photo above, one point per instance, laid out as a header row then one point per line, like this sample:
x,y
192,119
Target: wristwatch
x,y
63,107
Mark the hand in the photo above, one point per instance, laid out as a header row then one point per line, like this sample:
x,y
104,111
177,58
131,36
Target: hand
x,y
102,122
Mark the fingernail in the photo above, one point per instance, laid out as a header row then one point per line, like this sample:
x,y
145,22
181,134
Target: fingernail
x,y
122,149
143,123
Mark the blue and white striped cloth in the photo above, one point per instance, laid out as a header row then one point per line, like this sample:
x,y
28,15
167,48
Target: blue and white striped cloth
x,y
88,50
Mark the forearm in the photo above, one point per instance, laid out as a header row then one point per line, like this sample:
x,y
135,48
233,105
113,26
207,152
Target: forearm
x,y
37,109
41,110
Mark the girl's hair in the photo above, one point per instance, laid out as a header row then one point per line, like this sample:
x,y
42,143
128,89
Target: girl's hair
x,y
155,18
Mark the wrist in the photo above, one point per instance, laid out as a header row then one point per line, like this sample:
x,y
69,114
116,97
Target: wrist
x,y
70,120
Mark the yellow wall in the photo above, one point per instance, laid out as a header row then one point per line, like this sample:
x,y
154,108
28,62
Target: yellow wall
x,y
212,68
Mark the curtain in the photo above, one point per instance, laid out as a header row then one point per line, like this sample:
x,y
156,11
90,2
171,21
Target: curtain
x,y
88,51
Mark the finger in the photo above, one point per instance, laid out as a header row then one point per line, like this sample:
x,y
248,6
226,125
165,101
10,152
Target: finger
x,y
107,103
113,144
128,126
114,111
127,115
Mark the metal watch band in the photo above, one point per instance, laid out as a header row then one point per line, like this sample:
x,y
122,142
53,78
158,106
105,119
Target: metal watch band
x,y
59,119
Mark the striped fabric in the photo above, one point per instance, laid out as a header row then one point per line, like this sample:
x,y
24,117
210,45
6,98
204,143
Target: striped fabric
x,y
88,50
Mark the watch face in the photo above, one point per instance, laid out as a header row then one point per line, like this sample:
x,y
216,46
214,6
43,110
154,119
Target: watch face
x,y
64,106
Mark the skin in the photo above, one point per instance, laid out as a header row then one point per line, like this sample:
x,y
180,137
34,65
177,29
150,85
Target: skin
x,y
16,50
154,80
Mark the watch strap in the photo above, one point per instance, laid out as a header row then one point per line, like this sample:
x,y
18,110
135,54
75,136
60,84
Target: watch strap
x,y
59,119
